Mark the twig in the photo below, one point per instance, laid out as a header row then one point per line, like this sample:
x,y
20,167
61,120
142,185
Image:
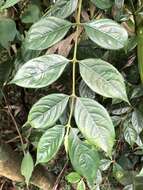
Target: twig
x,y
14,122
59,176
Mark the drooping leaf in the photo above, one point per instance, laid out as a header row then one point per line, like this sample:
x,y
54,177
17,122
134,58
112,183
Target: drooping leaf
x,y
130,134
50,143
62,8
84,159
107,33
46,32
137,121
73,177
27,167
102,4
47,110
95,123
6,37
85,91
40,72
9,3
81,185
103,78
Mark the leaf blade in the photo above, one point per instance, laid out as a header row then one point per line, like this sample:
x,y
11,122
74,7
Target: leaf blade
x,y
9,3
95,124
62,8
106,33
52,30
27,167
50,143
103,78
40,72
84,159
47,110
102,4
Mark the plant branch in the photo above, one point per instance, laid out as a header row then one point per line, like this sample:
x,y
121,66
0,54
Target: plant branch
x,y
14,122
74,61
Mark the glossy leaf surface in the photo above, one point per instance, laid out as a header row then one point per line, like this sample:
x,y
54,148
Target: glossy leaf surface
x,y
40,72
84,159
137,121
95,123
9,3
102,4
106,33
103,78
85,91
130,133
62,8
46,32
50,143
47,110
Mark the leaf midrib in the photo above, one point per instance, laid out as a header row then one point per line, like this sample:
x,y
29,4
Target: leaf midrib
x,y
107,82
49,33
86,25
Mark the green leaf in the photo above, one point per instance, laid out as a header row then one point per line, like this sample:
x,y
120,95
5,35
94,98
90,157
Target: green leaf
x,y
50,143
98,180
84,159
128,187
31,14
95,123
9,3
46,32
85,91
6,37
103,78
107,33
47,110
125,177
27,167
102,4
62,8
73,177
137,121
141,173
105,164
130,134
81,185
118,172
40,72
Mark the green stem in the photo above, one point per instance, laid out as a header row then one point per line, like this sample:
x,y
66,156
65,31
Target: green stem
x,y
139,33
140,50
74,61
